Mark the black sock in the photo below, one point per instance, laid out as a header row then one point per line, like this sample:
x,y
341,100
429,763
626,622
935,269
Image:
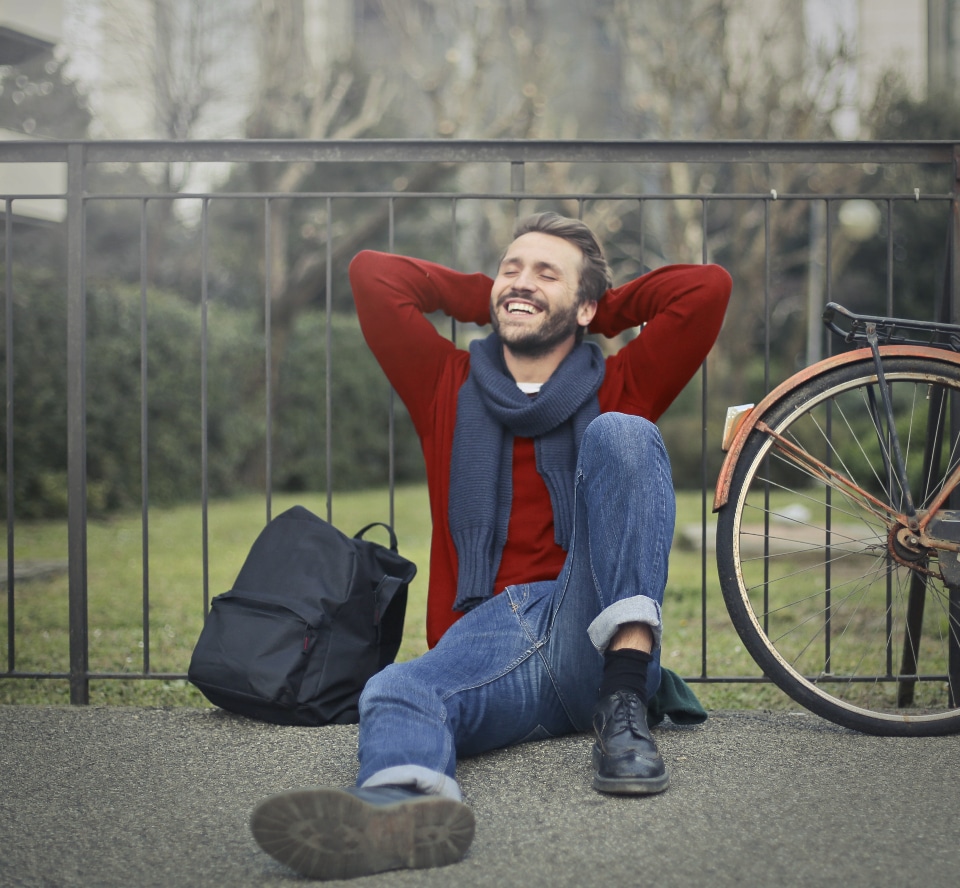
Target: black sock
x,y
625,669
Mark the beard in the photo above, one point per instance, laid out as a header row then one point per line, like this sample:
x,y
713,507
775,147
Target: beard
x,y
557,327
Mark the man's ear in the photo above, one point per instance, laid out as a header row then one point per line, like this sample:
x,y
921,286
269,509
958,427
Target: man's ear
x,y
585,312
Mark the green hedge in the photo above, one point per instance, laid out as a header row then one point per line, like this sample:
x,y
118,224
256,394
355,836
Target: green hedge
x,y
359,413
236,421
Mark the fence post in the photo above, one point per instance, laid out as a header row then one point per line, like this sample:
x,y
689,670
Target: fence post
x,y
954,257
953,294
77,429
517,176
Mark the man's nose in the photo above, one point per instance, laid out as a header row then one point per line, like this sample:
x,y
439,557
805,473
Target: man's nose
x,y
524,281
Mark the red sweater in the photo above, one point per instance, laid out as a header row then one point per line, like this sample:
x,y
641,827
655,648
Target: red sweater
x,y
682,307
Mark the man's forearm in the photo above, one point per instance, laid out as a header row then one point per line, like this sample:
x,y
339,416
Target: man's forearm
x,y
388,282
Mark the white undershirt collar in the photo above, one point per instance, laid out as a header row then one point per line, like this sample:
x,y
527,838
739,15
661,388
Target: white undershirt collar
x,y
530,388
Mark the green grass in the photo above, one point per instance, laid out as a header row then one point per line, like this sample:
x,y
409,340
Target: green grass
x,y
175,588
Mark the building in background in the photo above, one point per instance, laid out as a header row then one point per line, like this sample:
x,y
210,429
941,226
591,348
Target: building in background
x,y
891,35
27,29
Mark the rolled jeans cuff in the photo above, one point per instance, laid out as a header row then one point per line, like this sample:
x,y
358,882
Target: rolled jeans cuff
x,y
416,776
638,609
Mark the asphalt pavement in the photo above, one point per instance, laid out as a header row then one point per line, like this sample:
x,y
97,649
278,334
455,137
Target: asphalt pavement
x,y
134,798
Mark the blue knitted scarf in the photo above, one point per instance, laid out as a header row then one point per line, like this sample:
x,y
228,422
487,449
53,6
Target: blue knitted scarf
x,y
491,410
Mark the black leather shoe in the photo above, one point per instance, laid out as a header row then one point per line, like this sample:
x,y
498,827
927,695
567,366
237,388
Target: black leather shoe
x,y
625,755
331,833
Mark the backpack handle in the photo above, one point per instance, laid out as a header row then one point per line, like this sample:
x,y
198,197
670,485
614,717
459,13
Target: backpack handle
x,y
393,537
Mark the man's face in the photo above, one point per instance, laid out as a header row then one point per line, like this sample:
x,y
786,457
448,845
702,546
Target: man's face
x,y
533,304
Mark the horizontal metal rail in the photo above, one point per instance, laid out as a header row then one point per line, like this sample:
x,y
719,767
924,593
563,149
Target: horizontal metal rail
x,y
483,151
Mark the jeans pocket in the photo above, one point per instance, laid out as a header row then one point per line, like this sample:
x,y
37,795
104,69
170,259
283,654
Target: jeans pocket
x,y
531,603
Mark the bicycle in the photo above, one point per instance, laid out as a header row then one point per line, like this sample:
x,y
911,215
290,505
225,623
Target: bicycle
x,y
838,529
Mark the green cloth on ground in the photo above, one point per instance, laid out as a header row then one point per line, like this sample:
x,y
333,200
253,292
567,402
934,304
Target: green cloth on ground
x,y
675,699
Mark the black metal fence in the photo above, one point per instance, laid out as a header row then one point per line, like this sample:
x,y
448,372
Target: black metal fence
x,y
796,224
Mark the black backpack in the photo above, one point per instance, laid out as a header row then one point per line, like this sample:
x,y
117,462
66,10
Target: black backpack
x,y
313,614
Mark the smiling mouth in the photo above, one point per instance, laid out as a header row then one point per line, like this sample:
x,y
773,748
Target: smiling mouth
x,y
518,307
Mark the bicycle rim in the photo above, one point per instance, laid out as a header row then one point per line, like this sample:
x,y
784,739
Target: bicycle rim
x,y
864,637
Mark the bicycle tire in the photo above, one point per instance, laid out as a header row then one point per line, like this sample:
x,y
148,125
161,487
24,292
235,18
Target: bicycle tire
x,y
807,575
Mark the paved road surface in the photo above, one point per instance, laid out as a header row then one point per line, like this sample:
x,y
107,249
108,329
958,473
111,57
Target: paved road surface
x,y
103,797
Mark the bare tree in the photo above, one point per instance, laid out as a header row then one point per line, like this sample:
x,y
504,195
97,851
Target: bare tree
x,y
514,69
457,70
473,68
693,69
735,69
169,69
305,93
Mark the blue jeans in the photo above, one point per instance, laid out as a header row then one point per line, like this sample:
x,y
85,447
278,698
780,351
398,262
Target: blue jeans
x,y
526,664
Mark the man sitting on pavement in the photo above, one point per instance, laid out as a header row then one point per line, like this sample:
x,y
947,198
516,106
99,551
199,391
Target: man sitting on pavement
x,y
553,514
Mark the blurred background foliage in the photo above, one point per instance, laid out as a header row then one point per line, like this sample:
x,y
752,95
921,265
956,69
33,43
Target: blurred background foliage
x,y
499,69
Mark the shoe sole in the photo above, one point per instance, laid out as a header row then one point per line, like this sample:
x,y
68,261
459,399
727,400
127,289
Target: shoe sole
x,y
331,834
631,785
628,785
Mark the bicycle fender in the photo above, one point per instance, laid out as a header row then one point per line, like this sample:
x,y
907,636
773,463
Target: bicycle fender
x,y
722,492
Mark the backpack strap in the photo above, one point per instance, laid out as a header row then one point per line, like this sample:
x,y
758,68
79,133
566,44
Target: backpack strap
x,y
393,537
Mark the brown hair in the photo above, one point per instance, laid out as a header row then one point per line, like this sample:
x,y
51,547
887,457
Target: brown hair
x,y
595,276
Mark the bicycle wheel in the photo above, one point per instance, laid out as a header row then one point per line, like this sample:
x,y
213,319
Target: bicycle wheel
x,y
828,592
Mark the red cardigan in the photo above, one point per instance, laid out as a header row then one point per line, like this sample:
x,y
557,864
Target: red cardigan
x,y
682,307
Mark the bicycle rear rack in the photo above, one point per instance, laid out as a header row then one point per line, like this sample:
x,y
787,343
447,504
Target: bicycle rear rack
x,y
854,329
